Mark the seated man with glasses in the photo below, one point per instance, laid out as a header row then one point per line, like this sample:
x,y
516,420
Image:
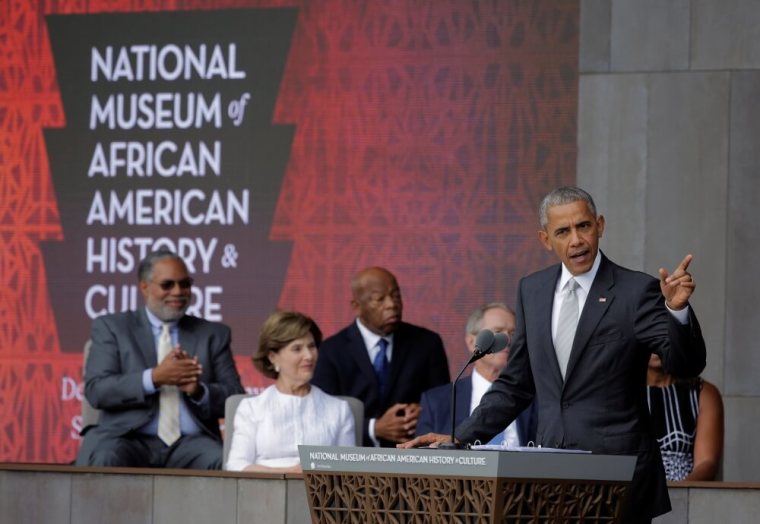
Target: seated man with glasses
x,y
160,378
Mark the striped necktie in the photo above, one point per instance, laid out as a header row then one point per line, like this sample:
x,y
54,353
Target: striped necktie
x,y
566,325
168,400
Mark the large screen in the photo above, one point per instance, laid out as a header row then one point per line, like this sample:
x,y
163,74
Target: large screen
x,y
279,147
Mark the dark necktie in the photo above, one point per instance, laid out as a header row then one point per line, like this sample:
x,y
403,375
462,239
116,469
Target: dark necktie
x,y
381,365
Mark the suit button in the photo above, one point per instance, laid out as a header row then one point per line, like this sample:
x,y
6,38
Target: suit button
x,y
558,444
565,405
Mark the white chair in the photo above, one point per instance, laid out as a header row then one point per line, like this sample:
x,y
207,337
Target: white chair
x,y
90,415
233,401
230,407
357,408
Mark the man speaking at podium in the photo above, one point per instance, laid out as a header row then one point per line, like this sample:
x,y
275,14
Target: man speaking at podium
x,y
585,330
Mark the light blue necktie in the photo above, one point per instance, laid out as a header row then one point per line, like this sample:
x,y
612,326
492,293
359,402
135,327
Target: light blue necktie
x,y
381,365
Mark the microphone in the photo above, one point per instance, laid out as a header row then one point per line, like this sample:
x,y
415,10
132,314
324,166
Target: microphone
x,y
485,342
500,341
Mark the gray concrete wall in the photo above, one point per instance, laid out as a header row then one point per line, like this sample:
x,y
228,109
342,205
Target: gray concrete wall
x,y
70,496
669,145
711,502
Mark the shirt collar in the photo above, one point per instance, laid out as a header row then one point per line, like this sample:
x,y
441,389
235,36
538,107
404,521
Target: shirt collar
x,y
479,379
479,387
157,323
370,337
585,279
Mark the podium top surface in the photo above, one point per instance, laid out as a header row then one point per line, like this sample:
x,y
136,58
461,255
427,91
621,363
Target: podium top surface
x,y
468,463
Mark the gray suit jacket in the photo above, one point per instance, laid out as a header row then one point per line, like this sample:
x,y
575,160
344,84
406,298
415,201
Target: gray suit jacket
x,y
123,346
601,406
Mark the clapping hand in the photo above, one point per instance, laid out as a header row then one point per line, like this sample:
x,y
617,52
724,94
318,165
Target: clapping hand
x,y
179,369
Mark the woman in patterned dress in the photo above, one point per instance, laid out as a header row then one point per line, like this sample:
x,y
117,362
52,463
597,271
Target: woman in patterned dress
x,y
687,419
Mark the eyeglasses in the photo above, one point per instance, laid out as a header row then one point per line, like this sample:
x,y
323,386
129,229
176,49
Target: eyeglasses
x,y
167,285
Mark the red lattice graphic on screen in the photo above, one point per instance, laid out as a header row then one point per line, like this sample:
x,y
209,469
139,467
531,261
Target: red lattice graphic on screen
x,y
425,139
426,133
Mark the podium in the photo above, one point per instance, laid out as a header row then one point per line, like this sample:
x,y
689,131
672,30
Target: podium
x,y
358,485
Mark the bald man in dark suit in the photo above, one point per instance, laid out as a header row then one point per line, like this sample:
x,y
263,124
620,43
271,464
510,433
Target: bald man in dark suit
x,y
413,357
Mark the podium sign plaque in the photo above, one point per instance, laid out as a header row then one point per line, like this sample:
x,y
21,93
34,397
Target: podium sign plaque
x,y
358,485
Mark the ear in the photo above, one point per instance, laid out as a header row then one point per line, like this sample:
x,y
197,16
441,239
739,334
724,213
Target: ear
x,y
272,357
469,340
355,306
144,288
600,225
543,236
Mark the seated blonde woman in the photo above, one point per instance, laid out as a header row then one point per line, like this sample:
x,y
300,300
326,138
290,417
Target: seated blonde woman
x,y
269,427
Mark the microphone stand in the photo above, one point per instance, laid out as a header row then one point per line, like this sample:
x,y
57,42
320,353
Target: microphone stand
x,y
454,444
485,343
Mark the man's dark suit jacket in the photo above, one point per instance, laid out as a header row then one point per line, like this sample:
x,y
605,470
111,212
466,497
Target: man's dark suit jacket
x,y
436,412
418,363
123,346
601,406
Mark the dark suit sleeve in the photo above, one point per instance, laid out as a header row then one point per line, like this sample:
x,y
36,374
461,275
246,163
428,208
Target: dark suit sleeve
x,y
438,368
326,373
692,361
113,378
690,357
425,423
528,424
509,395
680,346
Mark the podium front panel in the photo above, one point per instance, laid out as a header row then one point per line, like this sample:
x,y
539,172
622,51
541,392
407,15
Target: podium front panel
x,y
353,484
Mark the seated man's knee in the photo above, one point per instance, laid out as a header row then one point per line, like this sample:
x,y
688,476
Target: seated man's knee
x,y
117,452
197,452
210,458
108,457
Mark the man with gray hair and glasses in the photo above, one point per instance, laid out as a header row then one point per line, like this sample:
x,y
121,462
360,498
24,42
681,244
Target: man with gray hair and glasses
x,y
160,378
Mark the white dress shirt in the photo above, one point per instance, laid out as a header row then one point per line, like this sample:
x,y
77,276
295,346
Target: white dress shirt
x,y
479,387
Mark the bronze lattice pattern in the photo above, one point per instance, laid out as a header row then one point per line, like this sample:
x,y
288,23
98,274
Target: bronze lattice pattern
x,y
532,502
365,498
